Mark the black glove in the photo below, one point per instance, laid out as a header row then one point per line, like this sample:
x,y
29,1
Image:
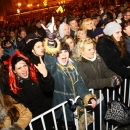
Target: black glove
x,y
119,78
114,80
12,127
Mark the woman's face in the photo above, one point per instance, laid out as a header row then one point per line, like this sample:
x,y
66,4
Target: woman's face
x,y
21,69
82,35
89,25
127,30
88,51
70,42
38,49
66,30
117,35
63,57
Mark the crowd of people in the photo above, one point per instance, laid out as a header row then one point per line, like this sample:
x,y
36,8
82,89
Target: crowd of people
x,y
44,62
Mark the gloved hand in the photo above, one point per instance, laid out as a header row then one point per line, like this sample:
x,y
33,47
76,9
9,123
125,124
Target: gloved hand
x,y
51,33
116,80
12,127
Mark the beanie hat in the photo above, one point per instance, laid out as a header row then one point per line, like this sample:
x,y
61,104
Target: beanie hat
x,y
30,36
64,46
61,29
30,44
97,32
111,28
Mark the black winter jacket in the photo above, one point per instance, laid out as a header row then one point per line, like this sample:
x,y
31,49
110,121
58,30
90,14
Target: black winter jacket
x,y
110,53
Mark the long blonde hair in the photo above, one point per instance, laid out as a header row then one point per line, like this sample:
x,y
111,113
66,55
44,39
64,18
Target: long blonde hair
x,y
80,47
77,34
85,22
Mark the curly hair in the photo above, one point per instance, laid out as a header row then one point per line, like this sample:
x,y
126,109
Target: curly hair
x,y
12,76
79,47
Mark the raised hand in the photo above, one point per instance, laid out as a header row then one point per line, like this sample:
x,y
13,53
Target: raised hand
x,y
41,67
51,27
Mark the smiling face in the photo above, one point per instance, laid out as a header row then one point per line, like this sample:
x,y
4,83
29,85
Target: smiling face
x,y
21,69
63,57
38,49
89,25
88,51
82,35
117,35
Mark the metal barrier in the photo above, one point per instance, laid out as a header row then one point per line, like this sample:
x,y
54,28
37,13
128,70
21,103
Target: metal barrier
x,y
126,96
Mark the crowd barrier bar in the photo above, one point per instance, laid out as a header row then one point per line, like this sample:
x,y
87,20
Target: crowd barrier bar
x,y
126,88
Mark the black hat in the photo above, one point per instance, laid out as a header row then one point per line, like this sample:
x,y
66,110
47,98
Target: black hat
x,y
64,46
30,36
30,44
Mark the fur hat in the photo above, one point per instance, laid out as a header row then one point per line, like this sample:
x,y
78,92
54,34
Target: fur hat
x,y
30,44
111,28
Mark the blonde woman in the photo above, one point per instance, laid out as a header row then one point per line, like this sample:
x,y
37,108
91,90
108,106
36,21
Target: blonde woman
x,y
94,72
80,34
88,26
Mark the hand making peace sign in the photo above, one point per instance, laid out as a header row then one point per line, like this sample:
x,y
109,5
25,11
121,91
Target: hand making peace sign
x,y
51,26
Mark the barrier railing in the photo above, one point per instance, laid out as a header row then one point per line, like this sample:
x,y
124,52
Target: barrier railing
x,y
125,91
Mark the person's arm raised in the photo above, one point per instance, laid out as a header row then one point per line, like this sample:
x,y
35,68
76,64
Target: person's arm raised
x,y
42,68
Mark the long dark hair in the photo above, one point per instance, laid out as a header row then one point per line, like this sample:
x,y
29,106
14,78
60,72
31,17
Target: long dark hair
x,y
120,44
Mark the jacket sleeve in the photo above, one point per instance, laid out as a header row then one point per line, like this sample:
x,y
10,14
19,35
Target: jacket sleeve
x,y
99,83
25,116
47,83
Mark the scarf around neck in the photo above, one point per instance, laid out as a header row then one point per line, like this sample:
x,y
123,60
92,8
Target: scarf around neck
x,y
92,59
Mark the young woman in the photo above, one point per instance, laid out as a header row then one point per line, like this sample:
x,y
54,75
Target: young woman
x,y
27,86
112,49
94,72
68,82
13,115
69,41
126,32
88,26
80,34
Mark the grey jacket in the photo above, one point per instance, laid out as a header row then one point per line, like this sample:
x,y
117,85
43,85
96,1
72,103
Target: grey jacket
x,y
95,73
